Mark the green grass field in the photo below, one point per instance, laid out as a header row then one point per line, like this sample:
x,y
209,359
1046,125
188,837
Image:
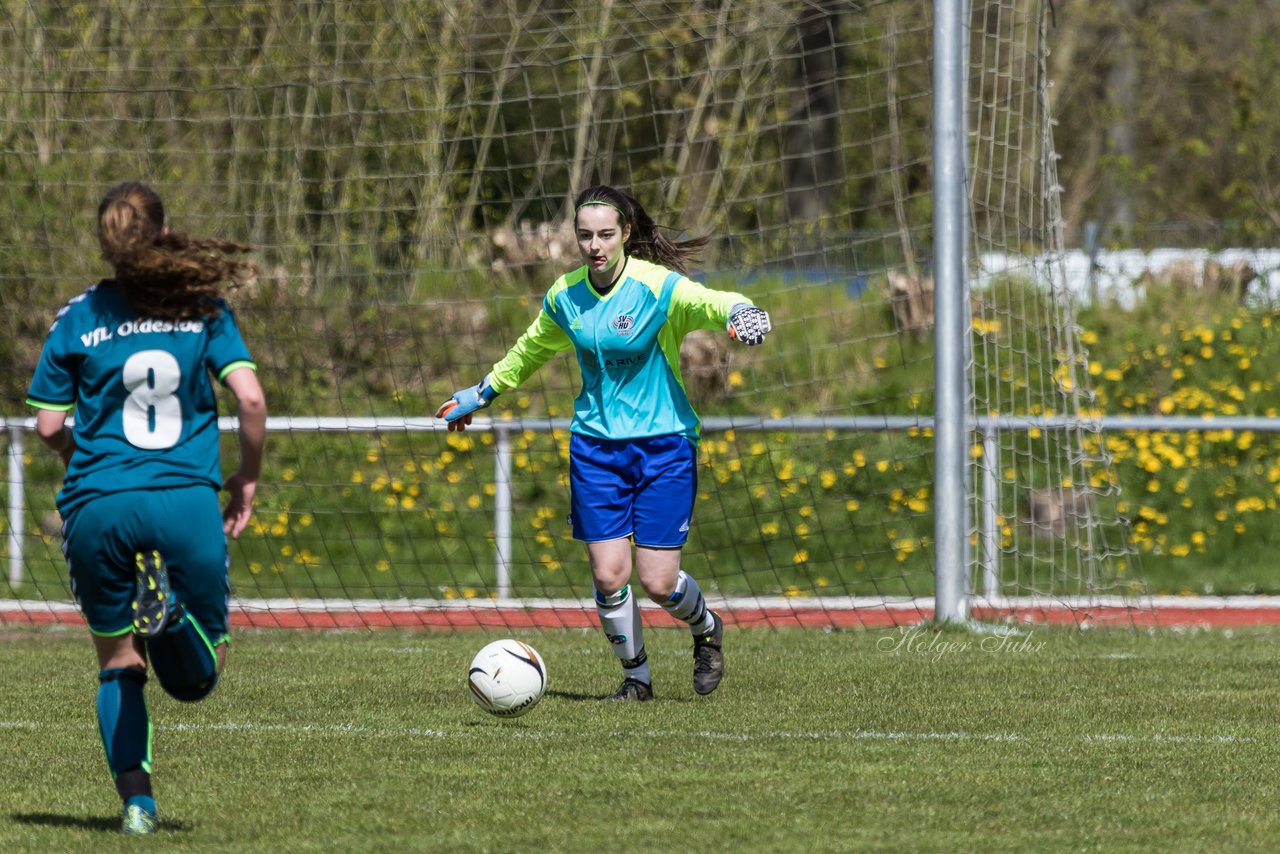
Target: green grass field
x,y
869,740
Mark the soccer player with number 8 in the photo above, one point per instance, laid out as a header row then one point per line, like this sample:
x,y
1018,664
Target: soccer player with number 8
x,y
634,435
135,356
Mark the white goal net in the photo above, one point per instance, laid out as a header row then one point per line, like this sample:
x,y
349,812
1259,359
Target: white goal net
x,y
406,168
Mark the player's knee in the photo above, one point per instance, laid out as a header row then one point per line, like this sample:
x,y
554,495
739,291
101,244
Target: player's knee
x,y
658,591
136,674
194,684
185,662
190,692
610,580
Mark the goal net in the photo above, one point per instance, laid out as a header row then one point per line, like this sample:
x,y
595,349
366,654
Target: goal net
x,y
406,170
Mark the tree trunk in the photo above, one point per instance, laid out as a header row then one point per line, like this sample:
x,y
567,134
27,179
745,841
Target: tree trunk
x,y
1122,94
813,168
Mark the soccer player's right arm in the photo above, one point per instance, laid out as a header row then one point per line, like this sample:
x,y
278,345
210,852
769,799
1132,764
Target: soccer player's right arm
x,y
251,409
542,340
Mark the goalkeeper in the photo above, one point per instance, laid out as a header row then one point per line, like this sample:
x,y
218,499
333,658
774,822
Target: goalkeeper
x,y
145,541
633,448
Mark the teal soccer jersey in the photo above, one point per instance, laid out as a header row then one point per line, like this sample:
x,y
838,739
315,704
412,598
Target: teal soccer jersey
x,y
628,347
145,410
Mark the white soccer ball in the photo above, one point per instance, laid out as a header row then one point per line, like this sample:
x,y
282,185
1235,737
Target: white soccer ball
x,y
507,678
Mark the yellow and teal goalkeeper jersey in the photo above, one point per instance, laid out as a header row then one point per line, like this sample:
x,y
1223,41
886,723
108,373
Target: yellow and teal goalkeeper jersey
x,y
628,347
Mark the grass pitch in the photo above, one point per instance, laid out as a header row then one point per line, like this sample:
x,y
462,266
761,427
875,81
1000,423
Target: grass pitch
x,y
869,740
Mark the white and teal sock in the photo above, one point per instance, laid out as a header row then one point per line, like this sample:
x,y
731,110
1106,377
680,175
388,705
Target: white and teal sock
x,y
686,603
620,618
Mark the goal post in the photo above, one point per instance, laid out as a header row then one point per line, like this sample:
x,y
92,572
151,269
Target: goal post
x,y
405,168
950,238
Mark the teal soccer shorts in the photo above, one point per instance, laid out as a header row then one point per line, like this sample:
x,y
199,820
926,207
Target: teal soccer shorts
x,y
104,535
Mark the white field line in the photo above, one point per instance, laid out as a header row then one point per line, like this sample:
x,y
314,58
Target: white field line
x,y
502,731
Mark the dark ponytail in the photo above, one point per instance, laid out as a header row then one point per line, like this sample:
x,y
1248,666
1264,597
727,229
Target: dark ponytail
x,y
647,241
162,274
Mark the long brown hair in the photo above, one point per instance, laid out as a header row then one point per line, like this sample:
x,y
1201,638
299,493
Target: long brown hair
x,y
164,274
647,241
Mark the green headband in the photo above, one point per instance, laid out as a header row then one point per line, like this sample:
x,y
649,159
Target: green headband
x,y
606,204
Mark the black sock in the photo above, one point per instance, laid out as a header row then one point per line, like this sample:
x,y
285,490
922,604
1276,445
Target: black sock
x,y
132,782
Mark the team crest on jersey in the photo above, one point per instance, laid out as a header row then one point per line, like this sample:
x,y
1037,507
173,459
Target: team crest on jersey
x,y
624,324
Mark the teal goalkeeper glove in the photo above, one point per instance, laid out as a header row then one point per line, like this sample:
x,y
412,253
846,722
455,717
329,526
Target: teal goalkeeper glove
x,y
748,324
457,410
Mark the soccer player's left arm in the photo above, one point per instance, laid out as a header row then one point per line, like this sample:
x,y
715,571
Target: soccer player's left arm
x,y
694,306
51,427
53,388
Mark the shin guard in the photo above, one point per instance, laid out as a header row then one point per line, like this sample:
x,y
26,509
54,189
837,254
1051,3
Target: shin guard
x,y
686,603
123,720
184,660
620,618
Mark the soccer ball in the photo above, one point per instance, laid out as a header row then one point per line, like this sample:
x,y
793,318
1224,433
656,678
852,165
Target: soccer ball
x,y
507,678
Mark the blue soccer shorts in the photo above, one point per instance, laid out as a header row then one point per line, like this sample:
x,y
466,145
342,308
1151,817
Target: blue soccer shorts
x,y
104,535
643,488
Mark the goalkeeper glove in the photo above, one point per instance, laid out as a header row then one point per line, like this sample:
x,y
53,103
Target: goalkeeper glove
x,y
748,324
457,410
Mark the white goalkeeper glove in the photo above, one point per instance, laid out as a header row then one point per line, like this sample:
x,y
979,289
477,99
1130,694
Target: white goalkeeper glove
x,y
748,324
457,410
